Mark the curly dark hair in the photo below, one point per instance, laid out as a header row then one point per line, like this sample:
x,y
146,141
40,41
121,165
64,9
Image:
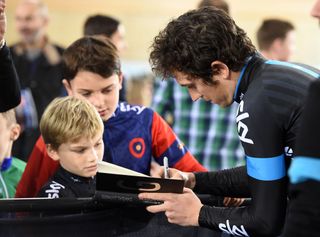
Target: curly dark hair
x,y
194,40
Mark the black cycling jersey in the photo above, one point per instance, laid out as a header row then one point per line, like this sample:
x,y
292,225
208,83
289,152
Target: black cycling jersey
x,y
67,185
271,96
303,216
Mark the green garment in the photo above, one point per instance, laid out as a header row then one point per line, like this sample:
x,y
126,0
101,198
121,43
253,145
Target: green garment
x,y
10,178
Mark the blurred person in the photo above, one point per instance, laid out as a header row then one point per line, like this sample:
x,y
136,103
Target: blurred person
x,y
276,39
111,28
38,64
9,83
303,218
207,130
11,168
221,4
221,65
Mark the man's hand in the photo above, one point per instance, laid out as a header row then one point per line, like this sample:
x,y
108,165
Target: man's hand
x,y
3,20
182,209
158,172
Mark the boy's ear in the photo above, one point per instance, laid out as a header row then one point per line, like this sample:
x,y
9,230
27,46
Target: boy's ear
x,y
52,152
67,85
219,69
15,131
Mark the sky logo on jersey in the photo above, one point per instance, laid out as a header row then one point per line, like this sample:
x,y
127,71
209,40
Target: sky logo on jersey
x,y
234,231
242,128
288,150
137,147
54,190
126,108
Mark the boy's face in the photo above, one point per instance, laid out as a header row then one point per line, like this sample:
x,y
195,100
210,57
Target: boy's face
x,y
103,93
4,138
8,134
80,157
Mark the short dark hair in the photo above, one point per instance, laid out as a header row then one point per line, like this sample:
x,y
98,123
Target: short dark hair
x,y
100,25
93,54
270,30
221,4
194,40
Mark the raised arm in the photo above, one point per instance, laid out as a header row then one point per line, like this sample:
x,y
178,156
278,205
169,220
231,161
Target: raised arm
x,y
9,83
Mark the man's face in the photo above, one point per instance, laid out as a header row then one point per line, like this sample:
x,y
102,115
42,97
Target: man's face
x,y
30,23
315,11
80,157
220,93
103,93
287,47
118,39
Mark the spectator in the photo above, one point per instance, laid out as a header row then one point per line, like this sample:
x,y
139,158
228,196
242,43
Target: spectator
x,y
38,63
72,130
11,168
112,29
276,39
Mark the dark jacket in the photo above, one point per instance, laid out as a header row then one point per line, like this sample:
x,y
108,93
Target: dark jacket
x,y
9,83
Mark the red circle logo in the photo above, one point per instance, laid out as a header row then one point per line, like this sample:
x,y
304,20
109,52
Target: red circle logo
x,y
137,147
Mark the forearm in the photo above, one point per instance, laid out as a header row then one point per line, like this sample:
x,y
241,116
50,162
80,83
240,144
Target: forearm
x,y
231,182
264,217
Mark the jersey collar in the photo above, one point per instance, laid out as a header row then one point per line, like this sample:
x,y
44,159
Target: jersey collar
x,y
244,79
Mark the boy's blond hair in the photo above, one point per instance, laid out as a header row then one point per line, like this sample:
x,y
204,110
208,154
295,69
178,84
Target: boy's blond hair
x,y
67,119
9,116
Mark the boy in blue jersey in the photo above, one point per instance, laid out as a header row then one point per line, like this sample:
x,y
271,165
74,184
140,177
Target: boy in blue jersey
x,y
206,52
132,134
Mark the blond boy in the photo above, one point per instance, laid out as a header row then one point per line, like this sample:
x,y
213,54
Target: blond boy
x,y
72,130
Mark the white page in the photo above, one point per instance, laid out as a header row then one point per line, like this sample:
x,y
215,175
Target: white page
x,y
106,167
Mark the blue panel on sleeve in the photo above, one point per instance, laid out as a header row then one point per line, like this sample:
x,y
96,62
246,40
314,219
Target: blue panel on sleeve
x,y
266,169
174,153
306,70
304,168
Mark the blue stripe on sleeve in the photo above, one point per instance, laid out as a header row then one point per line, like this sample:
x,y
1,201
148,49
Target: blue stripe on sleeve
x,y
304,168
266,169
306,70
174,153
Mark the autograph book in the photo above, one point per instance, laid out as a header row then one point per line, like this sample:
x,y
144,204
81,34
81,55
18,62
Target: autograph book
x,y
113,178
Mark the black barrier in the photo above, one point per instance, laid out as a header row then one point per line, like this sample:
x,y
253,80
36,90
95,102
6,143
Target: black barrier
x,y
102,215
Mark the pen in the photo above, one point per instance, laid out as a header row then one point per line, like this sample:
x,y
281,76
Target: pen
x,y
166,167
